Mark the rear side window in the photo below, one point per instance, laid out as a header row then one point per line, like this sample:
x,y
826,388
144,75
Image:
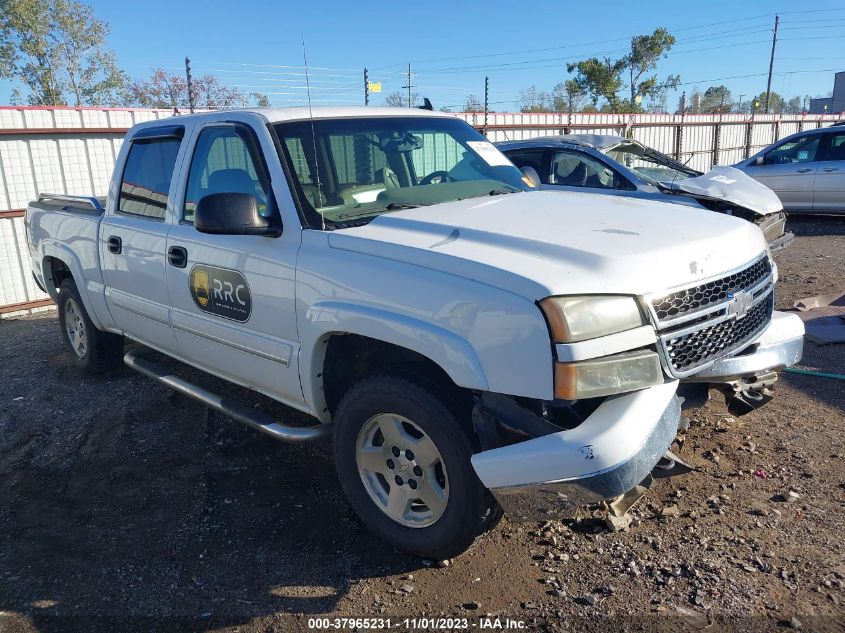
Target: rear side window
x,y
227,160
147,176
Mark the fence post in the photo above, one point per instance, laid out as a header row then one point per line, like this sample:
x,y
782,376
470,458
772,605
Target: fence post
x,y
679,138
749,126
717,137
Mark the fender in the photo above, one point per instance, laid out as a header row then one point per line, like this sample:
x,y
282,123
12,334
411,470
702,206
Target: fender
x,y
451,352
90,291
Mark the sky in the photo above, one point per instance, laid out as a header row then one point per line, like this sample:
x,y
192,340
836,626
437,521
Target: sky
x,y
257,45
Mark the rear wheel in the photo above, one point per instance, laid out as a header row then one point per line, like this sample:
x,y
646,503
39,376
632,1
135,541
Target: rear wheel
x,y
91,349
403,458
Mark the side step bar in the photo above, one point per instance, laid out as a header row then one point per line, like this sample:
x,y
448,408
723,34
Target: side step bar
x,y
240,411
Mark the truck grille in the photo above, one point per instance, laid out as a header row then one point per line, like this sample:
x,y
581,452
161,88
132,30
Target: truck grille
x,y
692,350
699,325
699,297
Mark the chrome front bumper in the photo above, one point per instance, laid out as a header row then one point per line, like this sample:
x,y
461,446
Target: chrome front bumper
x,y
780,345
608,454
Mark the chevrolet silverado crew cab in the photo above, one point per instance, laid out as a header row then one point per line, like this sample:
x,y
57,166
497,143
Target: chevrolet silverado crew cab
x,y
471,345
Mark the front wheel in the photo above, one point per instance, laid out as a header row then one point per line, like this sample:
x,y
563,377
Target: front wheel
x,y
403,458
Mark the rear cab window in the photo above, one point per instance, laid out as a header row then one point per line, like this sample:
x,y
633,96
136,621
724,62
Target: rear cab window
x,y
148,172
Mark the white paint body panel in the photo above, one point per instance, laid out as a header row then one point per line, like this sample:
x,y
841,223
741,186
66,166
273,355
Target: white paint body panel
x,y
612,435
468,303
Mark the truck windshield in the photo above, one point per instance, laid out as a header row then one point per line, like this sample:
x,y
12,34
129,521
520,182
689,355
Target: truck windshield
x,y
649,164
350,170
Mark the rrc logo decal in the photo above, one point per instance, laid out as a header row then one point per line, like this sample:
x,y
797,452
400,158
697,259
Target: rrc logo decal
x,y
221,292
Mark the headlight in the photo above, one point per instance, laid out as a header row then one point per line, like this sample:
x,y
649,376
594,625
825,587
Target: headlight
x,y
605,376
578,318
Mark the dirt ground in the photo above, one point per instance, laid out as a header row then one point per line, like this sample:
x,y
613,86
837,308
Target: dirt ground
x,y
119,511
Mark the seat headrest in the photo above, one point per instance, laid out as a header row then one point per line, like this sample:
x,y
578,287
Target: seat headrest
x,y
231,181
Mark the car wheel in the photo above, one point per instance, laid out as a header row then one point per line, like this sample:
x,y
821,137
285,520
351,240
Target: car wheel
x,y
91,349
403,458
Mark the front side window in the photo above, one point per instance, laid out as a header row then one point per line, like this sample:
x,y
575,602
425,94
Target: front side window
x,y
532,158
649,164
226,160
798,150
352,170
147,176
573,169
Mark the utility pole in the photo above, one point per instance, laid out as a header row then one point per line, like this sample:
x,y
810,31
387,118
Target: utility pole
x,y
366,88
409,86
739,107
190,86
486,97
771,63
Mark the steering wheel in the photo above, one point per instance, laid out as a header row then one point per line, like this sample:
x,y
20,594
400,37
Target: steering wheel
x,y
440,173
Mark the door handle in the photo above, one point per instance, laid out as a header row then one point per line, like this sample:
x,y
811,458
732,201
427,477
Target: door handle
x,y
831,168
177,256
115,244
804,170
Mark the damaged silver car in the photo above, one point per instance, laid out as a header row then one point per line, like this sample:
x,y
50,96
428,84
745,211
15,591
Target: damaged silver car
x,y
615,165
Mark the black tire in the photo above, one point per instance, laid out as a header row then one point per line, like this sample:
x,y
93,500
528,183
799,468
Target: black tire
x,y
470,509
101,351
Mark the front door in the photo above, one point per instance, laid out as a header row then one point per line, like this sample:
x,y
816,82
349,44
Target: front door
x,y
233,295
829,195
790,171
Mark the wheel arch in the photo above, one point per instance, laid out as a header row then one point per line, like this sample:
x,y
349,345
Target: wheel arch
x,y
337,331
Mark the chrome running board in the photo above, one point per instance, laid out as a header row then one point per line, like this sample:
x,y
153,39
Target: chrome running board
x,y
235,409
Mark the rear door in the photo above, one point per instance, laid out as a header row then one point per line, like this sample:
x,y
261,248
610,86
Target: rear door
x,y
133,237
829,190
233,295
789,169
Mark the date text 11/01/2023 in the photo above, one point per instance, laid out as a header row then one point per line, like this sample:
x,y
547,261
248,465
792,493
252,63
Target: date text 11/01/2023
x,y
422,623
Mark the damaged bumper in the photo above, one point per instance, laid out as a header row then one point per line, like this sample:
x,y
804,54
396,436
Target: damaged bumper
x,y
608,454
780,345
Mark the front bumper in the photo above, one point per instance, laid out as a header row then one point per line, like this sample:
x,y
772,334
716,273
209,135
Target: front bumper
x,y
608,454
781,242
780,345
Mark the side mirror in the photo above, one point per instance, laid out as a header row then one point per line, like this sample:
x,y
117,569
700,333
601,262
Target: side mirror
x,y
761,160
530,174
231,214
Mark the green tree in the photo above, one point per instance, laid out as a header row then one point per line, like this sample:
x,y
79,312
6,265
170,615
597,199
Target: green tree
x,y
716,99
603,79
261,100
56,49
567,97
646,51
163,90
776,103
533,100
598,79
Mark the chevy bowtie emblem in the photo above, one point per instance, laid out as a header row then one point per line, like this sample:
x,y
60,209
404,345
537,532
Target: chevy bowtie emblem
x,y
741,303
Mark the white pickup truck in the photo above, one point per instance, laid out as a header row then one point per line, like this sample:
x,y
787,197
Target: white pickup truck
x,y
471,345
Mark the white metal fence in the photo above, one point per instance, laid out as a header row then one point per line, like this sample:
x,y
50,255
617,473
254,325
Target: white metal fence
x,y
72,151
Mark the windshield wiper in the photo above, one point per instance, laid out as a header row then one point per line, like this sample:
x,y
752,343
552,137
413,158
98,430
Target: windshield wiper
x,y
396,206
502,191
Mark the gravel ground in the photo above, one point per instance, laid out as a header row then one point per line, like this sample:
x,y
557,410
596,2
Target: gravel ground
x,y
121,509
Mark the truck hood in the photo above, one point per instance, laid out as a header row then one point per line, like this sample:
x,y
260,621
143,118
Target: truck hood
x,y
543,243
728,184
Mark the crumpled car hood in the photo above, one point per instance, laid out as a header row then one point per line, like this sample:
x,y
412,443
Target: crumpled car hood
x,y
730,185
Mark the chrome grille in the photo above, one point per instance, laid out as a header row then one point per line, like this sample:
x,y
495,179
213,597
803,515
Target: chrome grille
x,y
682,302
689,351
699,325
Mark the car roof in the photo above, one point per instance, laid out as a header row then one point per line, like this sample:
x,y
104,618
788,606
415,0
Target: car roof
x,y
595,141
299,113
